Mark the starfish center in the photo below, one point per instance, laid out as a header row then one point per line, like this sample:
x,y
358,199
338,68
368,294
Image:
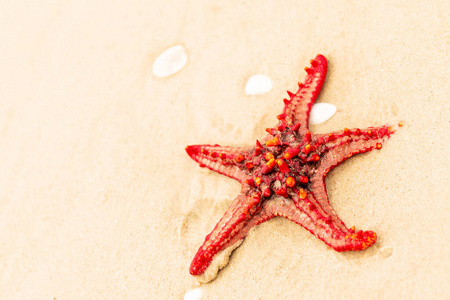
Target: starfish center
x,y
284,164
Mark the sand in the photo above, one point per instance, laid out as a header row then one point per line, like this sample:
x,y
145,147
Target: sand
x,y
98,199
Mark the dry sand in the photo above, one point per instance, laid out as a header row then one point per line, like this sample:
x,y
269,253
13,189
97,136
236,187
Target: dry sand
x,y
98,199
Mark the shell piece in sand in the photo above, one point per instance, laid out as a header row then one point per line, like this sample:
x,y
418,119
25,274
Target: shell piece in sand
x,y
320,112
170,61
258,84
194,294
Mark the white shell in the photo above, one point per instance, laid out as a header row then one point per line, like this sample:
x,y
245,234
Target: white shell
x,y
170,61
258,84
195,294
320,112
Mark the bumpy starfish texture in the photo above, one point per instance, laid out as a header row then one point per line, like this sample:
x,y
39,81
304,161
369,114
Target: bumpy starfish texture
x,y
284,175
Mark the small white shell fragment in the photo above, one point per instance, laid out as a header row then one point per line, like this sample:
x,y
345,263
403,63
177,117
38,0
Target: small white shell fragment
x,y
320,112
195,294
170,61
258,84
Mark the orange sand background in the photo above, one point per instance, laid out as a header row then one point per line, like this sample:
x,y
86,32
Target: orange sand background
x,y
99,200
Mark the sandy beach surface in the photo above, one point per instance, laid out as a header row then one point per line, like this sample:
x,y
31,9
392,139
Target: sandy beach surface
x,y
99,200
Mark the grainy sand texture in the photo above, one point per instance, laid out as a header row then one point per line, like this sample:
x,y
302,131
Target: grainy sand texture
x,y
99,200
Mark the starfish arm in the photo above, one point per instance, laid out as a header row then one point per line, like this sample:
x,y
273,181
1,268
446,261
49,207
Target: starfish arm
x,y
298,107
229,230
344,144
319,198
221,257
323,226
221,159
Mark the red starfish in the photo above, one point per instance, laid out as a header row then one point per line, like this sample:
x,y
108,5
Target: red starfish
x,y
284,175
